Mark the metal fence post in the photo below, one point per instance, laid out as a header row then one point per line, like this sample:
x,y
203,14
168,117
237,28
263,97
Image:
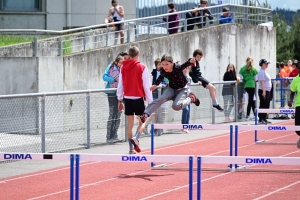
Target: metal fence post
x,y
84,40
149,29
35,47
106,37
60,47
236,102
213,114
274,93
43,123
88,120
185,25
128,34
256,95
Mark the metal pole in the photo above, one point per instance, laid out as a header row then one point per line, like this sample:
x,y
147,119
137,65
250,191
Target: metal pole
x,y
106,37
88,120
191,161
199,178
274,93
128,34
77,177
71,177
159,113
256,95
35,47
213,115
236,103
84,40
43,123
148,29
185,25
60,47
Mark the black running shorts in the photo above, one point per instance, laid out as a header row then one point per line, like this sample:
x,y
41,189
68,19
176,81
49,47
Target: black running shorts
x,y
203,81
134,106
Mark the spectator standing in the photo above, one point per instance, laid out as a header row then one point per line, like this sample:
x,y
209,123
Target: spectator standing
x,y
192,19
295,90
133,87
154,117
264,90
226,17
185,118
228,91
111,76
248,72
116,12
173,20
204,12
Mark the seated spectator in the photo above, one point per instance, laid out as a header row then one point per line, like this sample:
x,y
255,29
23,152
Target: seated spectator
x,y
173,20
226,17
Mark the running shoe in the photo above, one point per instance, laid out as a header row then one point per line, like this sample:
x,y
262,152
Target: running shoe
x,y
218,107
267,122
298,143
196,101
131,151
135,143
141,118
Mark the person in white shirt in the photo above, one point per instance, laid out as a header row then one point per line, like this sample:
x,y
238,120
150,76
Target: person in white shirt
x,y
117,14
264,88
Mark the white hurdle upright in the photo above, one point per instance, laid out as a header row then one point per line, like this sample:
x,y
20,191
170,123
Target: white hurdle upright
x,y
191,127
280,111
241,160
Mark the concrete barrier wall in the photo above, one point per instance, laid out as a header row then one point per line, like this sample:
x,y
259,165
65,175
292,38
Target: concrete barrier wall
x,y
72,43
230,43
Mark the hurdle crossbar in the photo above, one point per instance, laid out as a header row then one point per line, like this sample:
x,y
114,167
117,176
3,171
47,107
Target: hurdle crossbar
x,y
104,158
279,111
242,160
191,127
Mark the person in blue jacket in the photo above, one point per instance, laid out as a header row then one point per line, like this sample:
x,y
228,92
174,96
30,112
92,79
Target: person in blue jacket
x,y
111,76
226,17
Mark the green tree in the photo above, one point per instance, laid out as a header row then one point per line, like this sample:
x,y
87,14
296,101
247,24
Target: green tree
x,y
284,40
295,29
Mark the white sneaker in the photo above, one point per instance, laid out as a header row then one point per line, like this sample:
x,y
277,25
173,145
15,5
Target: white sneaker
x,y
248,118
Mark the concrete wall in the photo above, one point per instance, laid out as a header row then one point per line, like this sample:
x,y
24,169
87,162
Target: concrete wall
x,y
221,45
72,43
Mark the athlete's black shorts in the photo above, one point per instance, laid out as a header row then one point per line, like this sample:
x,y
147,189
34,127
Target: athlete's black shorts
x,y
134,106
203,81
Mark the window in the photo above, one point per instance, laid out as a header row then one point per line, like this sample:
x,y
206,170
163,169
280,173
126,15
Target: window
x,y
20,5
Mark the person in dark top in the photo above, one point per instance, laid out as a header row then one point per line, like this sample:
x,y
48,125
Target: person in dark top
x,y
228,91
176,90
204,12
191,19
173,20
197,78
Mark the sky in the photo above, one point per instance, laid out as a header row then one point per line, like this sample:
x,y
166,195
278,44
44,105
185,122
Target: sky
x,y
287,4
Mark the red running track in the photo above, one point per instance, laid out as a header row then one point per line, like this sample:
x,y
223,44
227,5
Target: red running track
x,y
104,180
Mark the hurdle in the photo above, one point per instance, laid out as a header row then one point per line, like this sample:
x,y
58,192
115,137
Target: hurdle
x,y
102,158
263,128
191,127
240,160
280,111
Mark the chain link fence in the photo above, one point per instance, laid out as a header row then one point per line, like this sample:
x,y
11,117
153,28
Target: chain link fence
x,y
55,122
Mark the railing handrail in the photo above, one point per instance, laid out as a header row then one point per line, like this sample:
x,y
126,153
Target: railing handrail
x,y
82,91
125,21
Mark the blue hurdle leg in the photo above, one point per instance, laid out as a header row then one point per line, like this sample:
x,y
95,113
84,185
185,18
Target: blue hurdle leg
x,y
255,132
77,178
198,178
236,143
71,177
191,161
152,143
230,143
